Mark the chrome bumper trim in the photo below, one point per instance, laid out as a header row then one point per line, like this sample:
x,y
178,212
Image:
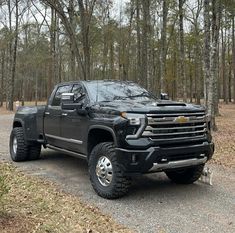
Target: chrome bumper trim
x,y
177,164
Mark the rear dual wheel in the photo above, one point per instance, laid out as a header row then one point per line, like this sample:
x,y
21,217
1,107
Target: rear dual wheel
x,y
19,149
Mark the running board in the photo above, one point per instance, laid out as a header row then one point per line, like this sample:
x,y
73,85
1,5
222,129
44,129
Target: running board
x,y
74,154
177,164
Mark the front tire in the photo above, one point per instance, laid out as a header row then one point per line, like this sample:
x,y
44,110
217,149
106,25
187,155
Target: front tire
x,y
187,175
106,175
18,146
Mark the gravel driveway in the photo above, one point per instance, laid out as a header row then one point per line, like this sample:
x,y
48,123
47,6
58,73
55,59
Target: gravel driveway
x,y
154,203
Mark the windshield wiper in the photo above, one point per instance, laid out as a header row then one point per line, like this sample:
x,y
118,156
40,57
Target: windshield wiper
x,y
105,101
116,97
143,94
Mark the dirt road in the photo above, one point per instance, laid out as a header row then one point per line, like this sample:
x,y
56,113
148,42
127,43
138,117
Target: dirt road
x,y
154,203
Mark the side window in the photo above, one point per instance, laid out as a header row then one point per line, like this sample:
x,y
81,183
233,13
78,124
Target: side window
x,y
57,97
78,91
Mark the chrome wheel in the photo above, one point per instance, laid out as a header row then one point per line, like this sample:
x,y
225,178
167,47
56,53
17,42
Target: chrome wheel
x,y
104,171
14,145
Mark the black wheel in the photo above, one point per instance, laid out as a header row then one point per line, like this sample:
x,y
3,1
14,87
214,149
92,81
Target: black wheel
x,y
187,175
18,146
106,175
34,151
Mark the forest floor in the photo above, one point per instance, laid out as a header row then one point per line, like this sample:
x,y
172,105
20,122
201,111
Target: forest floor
x,y
224,138
36,204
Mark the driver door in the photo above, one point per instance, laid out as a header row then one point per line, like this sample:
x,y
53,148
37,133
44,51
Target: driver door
x,y
52,118
73,125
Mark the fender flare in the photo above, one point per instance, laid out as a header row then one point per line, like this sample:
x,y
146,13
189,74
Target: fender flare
x,y
106,128
18,120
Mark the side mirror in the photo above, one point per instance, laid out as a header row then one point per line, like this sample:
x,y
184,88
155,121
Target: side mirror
x,y
164,96
68,102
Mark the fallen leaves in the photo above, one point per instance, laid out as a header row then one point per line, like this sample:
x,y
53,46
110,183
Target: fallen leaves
x,y
38,206
224,138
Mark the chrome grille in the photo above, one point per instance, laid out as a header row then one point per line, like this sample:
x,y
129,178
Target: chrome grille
x,y
169,127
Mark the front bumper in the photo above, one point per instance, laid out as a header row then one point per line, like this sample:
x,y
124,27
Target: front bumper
x,y
157,159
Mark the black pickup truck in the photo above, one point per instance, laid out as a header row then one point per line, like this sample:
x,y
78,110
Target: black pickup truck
x,y
121,129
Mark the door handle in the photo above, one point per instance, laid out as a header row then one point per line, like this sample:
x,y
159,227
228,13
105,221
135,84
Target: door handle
x,y
47,113
64,114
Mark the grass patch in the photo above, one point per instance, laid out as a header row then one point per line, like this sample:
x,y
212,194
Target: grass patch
x,y
36,205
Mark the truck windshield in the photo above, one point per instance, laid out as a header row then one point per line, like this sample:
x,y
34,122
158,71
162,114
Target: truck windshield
x,y
105,91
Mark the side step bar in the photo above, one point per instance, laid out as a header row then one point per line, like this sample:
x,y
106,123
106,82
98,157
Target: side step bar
x,y
177,164
74,154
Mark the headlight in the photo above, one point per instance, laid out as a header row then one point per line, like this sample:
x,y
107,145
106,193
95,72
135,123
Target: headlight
x,y
135,120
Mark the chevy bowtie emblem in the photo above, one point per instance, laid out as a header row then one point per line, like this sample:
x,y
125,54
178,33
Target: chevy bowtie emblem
x,y
181,119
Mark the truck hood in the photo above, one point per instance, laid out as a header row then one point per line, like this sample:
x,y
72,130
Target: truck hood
x,y
149,106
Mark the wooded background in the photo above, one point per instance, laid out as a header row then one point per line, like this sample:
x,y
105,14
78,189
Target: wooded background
x,y
183,47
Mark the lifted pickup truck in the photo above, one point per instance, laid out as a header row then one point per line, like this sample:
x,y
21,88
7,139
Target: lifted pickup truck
x,y
121,129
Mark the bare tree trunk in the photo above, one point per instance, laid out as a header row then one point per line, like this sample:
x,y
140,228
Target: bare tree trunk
x,y
139,65
85,39
175,69
207,49
51,76
233,43
163,47
212,89
72,45
26,32
190,76
111,60
9,56
197,69
13,72
216,17
85,17
182,53
223,69
36,88
129,42
3,56
59,56
229,75
145,41
105,52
